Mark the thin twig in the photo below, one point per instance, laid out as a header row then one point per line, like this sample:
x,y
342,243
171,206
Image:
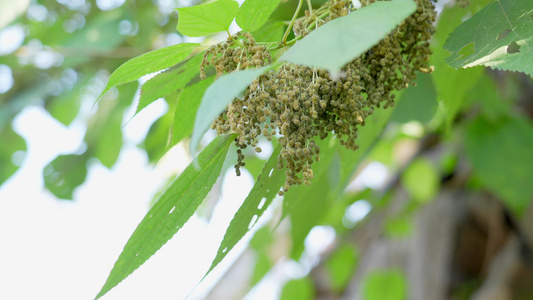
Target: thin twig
x,y
284,40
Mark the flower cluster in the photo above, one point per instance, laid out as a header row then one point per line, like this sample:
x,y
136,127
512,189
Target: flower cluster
x,y
299,104
239,52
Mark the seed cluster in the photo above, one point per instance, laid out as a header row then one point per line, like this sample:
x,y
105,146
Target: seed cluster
x,y
299,104
331,10
238,52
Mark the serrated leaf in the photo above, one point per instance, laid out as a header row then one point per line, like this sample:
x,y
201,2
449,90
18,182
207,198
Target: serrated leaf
x,y
206,19
169,81
500,155
186,109
217,97
340,41
148,63
265,189
173,209
253,14
386,284
499,36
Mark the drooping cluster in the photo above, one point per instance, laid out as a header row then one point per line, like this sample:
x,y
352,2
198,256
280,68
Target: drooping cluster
x,y
299,104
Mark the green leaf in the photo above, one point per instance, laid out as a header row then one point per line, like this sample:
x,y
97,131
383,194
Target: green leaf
x,y
156,142
104,135
390,285
399,227
270,32
173,209
64,174
147,63
340,41
421,180
341,266
217,97
499,36
169,81
451,84
260,242
501,157
262,238
263,264
11,144
255,204
110,143
206,19
417,103
253,14
188,104
301,289
66,106
486,94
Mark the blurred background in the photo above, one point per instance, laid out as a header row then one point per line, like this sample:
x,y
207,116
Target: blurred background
x,y
437,210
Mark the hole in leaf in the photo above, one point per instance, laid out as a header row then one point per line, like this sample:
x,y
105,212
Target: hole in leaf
x,y
513,48
467,50
225,249
252,222
270,174
262,203
173,208
503,34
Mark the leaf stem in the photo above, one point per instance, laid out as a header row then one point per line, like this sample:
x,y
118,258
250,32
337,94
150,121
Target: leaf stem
x,y
284,40
310,7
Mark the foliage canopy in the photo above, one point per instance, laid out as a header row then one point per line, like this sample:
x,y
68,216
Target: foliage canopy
x,y
341,47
